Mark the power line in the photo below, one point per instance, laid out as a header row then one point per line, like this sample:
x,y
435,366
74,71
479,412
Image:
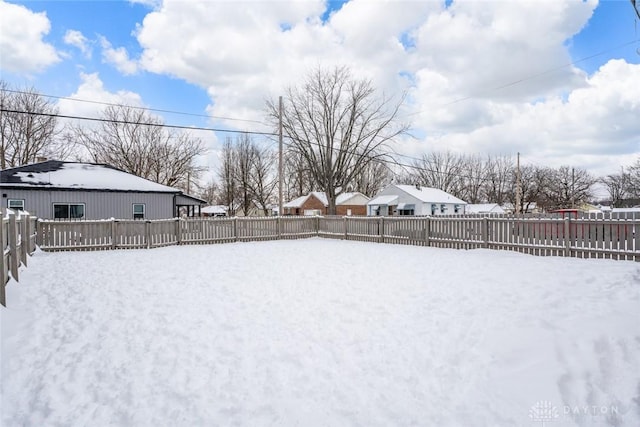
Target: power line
x,y
156,110
125,122
531,77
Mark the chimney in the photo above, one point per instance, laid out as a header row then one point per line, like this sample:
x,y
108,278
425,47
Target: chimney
x,y
41,159
417,186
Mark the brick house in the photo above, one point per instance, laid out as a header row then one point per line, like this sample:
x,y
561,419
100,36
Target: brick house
x,y
315,203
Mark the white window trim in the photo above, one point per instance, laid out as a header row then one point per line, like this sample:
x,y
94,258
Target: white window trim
x,y
15,200
144,210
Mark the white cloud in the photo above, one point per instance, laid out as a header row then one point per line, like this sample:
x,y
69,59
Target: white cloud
x,y
22,48
92,90
118,57
477,73
77,39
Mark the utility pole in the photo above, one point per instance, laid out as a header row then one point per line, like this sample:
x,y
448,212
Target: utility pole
x,y
280,161
518,186
573,188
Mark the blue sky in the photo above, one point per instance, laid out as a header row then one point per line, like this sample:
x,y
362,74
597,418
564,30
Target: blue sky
x,y
223,59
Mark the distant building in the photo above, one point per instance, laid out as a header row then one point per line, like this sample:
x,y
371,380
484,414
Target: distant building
x,y
414,200
316,203
214,210
70,190
484,208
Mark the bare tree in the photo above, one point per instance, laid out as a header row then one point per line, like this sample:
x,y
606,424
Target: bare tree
x,y
229,189
136,142
338,125
262,179
618,186
500,174
297,178
372,178
209,191
442,170
244,153
28,127
634,180
474,172
534,180
567,187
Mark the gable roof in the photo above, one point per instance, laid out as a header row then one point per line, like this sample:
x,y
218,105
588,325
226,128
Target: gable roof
x,y
320,195
484,208
429,194
384,200
55,174
214,210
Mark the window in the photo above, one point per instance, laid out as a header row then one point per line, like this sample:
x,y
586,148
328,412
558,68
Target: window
x,y
433,209
456,208
68,210
138,211
16,204
407,211
443,208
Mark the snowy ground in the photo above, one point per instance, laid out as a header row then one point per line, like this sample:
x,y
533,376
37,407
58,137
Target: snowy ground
x,y
321,332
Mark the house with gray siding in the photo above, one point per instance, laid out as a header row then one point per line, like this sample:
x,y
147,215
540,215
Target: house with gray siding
x,y
70,190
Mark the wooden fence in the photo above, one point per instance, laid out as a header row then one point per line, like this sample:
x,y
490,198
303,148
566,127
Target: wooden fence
x,y
586,237
18,237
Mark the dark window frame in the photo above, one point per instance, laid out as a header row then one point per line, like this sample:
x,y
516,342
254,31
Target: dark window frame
x,y
136,215
69,210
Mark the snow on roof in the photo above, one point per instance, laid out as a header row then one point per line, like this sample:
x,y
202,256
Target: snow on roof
x,y
214,210
296,203
384,200
341,199
483,208
78,176
429,194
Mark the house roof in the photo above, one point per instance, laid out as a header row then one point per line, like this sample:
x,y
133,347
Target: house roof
x,y
214,210
54,174
429,194
484,208
384,200
342,199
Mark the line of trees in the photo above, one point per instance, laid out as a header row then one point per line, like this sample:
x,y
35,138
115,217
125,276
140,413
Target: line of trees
x,y
493,179
339,133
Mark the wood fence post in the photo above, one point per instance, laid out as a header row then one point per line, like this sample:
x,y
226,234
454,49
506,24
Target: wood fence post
x,y
484,230
427,231
3,270
567,237
278,225
24,238
381,229
178,231
147,233
114,235
344,219
39,232
235,228
13,246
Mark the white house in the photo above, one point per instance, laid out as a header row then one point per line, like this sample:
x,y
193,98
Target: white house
x,y
414,200
484,208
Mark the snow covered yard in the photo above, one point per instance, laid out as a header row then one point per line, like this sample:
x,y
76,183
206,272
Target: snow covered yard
x,y
321,332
